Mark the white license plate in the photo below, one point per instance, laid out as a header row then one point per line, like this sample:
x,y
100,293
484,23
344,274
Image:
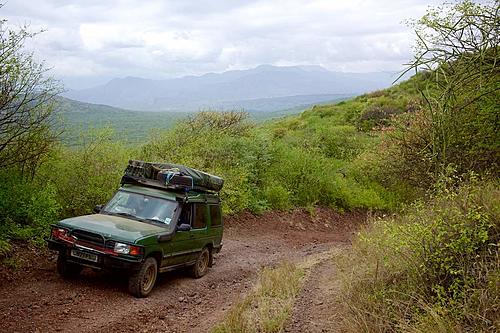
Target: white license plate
x,y
84,255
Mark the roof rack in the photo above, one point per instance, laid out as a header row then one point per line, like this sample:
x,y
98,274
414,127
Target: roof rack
x,y
173,177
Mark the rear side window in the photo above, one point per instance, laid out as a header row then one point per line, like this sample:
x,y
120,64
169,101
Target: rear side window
x,y
200,216
215,215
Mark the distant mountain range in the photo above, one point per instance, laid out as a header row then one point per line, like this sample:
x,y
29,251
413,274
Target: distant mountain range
x,y
265,88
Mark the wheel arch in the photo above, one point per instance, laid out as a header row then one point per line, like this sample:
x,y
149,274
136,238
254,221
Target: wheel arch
x,y
158,255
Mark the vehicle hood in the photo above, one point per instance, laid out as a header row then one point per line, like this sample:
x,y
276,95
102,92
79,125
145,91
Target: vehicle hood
x,y
112,227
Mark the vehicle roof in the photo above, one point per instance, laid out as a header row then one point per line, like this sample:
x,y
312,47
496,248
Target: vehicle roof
x,y
171,195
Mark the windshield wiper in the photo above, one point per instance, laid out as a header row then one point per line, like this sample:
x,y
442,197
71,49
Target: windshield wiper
x,y
155,221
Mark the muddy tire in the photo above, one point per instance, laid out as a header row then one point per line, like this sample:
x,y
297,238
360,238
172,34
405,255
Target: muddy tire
x,y
141,282
200,268
67,270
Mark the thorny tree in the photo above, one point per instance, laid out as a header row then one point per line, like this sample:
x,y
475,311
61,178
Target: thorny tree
x,y
26,102
458,49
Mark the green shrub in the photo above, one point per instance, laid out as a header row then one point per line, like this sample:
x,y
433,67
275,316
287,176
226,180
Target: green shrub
x,y
366,195
86,175
310,179
277,196
225,144
434,265
378,116
26,208
341,142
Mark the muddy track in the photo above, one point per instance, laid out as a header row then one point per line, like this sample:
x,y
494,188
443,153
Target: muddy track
x,y
315,309
40,301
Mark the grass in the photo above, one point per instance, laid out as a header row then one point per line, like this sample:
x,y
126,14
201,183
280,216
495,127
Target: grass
x,y
270,304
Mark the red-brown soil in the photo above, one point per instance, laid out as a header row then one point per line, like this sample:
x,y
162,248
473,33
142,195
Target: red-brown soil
x,y
315,310
33,298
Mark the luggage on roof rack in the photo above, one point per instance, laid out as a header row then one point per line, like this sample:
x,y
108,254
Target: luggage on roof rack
x,y
171,176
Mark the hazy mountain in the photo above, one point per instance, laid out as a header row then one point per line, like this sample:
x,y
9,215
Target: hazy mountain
x,y
263,86
66,105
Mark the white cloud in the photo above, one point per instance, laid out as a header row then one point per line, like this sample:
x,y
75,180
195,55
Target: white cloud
x,y
96,39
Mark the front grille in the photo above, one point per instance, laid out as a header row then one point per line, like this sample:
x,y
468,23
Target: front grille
x,y
88,237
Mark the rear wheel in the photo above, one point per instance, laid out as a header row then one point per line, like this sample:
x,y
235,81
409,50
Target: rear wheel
x,y
141,282
200,268
67,270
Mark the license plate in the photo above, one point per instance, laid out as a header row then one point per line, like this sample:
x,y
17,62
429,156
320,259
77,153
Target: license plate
x,y
84,255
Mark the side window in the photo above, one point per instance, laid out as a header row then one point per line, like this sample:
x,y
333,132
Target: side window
x,y
185,217
215,215
200,214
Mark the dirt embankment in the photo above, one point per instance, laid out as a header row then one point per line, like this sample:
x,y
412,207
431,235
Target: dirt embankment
x,y
37,300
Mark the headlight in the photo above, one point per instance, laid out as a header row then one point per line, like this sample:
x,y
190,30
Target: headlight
x,y
122,248
59,233
133,250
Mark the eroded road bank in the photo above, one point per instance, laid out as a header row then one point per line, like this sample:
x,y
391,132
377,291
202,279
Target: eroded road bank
x,y
42,302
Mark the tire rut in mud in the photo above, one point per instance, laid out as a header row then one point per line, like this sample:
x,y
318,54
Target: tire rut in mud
x,y
315,309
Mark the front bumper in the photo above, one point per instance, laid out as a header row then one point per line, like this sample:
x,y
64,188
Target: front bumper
x,y
104,260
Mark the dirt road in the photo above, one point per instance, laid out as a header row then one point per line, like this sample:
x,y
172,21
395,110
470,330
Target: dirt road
x,y
315,308
39,301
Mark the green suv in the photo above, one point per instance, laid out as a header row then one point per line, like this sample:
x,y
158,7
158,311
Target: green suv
x,y
163,217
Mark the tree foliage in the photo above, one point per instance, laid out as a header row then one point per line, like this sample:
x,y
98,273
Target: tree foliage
x,y
26,95
457,126
230,122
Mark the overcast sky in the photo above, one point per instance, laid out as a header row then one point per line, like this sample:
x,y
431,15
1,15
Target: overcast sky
x,y
91,41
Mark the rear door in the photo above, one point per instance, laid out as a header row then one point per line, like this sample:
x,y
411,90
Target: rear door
x,y
215,232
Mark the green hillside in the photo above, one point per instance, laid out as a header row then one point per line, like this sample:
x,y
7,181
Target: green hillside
x,y
132,127
314,158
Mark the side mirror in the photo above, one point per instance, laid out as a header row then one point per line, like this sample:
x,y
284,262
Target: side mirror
x,y
184,227
98,208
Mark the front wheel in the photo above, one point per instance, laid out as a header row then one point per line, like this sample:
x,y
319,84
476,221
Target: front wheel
x,y
141,282
67,270
200,268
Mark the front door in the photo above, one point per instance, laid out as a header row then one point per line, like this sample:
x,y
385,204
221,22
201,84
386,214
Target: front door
x,y
187,244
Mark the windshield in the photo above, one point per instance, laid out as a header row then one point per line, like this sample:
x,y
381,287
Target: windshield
x,y
141,207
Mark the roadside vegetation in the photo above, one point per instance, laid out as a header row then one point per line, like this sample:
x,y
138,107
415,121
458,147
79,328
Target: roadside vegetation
x,y
425,152
268,306
434,266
